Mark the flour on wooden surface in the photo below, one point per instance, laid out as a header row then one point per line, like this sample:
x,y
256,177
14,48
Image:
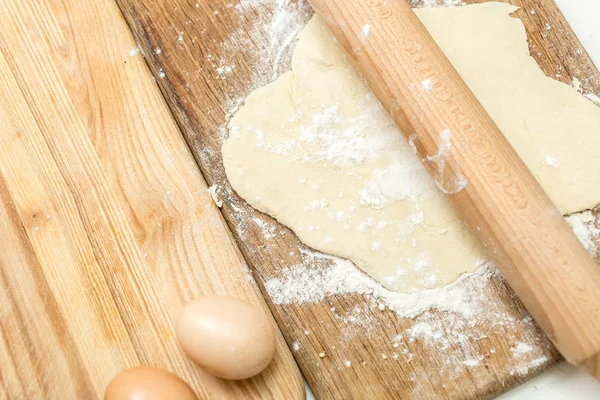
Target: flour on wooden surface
x,y
213,191
464,344
134,52
307,283
578,85
592,97
521,348
268,230
584,227
281,21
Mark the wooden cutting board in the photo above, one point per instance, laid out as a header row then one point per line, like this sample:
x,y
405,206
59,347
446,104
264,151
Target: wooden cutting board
x,y
106,224
206,56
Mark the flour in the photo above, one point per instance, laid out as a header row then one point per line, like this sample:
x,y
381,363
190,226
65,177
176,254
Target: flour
x,y
134,52
278,24
224,68
457,338
523,369
268,230
366,30
348,141
593,98
444,149
577,85
340,145
337,139
308,283
584,227
453,184
404,178
467,319
213,191
473,362
550,161
521,348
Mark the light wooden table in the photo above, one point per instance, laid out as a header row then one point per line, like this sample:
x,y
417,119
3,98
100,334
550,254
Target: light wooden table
x,y
106,223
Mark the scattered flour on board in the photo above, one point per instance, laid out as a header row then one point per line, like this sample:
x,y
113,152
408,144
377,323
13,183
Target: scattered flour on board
x,y
134,52
464,342
268,230
523,369
577,85
281,21
593,98
584,227
224,68
307,283
215,196
521,348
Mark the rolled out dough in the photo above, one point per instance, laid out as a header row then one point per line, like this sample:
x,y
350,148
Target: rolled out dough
x,y
315,150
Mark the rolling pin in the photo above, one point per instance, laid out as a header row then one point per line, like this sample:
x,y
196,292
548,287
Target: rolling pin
x,y
471,160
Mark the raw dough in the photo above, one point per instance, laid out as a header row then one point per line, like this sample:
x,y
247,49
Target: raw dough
x,y
315,150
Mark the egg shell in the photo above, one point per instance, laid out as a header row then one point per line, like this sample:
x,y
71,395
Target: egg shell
x,y
226,336
146,383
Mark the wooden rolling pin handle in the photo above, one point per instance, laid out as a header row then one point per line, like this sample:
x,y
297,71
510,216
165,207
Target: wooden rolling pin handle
x,y
472,161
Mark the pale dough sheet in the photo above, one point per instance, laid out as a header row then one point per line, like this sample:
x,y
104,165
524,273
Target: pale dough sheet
x,y
315,150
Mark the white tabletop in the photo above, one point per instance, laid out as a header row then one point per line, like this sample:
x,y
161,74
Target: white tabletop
x,y
564,382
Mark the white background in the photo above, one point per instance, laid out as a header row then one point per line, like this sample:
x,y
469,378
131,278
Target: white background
x,y
565,382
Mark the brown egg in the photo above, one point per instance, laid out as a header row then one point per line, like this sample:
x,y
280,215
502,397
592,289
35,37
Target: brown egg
x,y
227,337
146,383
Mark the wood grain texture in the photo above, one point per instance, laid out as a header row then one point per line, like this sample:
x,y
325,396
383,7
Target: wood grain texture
x,y
106,224
195,39
521,228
